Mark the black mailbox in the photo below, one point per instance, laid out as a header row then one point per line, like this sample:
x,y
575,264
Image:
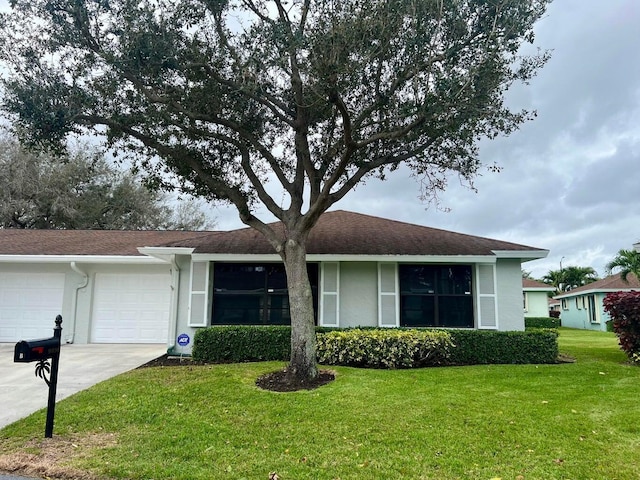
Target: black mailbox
x,y
35,350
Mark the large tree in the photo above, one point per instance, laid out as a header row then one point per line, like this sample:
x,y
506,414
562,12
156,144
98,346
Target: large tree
x,y
312,95
82,191
627,261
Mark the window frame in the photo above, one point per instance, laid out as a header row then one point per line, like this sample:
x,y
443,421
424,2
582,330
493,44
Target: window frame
x,y
265,295
434,292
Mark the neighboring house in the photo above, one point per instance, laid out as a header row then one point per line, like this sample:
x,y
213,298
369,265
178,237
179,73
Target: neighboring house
x,y
637,246
554,304
364,271
582,306
535,297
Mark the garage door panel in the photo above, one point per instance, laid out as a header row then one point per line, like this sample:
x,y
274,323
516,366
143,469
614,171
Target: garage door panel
x,y
131,308
29,304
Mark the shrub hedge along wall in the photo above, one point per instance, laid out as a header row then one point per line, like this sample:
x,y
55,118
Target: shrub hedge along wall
x,y
379,348
541,322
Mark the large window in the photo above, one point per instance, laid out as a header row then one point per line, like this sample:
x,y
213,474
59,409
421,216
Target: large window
x,y
436,296
254,294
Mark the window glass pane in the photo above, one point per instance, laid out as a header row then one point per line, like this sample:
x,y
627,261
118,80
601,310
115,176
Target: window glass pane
x,y
255,294
454,280
455,311
418,311
279,310
276,278
436,296
417,279
234,277
238,310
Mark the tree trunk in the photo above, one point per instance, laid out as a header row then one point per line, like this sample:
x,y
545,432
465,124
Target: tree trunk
x,y
303,338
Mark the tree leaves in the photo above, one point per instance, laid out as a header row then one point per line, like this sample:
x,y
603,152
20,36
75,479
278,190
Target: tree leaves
x,y
81,192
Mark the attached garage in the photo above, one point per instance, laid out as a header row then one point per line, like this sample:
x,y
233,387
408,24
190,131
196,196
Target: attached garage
x,y
29,303
131,308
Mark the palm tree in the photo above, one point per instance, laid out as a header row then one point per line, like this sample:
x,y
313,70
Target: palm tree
x,y
570,277
628,261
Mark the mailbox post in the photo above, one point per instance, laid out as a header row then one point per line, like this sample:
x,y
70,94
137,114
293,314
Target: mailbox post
x,y
41,350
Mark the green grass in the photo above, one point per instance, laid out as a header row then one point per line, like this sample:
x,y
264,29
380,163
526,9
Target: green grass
x,y
567,421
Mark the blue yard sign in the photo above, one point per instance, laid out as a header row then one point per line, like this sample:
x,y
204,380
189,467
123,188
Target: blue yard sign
x,y
183,339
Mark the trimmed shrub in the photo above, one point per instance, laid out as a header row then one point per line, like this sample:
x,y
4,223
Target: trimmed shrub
x,y
242,344
624,310
379,348
490,347
384,348
541,322
554,313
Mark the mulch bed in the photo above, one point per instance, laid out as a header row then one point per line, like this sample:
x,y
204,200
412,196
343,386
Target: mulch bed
x,y
281,381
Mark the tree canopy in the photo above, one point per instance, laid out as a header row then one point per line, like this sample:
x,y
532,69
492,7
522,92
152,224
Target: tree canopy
x,y
570,277
627,262
313,96
82,192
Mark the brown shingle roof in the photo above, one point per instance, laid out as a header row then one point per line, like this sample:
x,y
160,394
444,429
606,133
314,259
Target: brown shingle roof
x,y
347,233
85,242
529,283
336,233
610,283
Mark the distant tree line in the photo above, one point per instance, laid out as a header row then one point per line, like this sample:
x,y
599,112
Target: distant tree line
x,y
626,262
84,191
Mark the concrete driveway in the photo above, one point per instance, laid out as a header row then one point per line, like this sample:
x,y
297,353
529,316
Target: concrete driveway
x,y
81,366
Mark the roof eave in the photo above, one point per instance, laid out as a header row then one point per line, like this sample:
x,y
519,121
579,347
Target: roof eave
x,y
523,255
112,259
165,254
574,293
316,257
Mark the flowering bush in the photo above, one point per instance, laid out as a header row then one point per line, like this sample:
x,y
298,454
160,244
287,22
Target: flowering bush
x,y
624,309
380,348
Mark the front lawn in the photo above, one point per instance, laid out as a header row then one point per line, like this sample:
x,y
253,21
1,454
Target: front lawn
x,y
566,421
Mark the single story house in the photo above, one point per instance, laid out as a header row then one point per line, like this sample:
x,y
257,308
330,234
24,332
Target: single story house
x,y
554,305
535,298
582,307
151,287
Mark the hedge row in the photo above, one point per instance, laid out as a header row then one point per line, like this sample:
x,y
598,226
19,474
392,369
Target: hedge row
x,y
473,347
242,344
384,348
388,348
541,322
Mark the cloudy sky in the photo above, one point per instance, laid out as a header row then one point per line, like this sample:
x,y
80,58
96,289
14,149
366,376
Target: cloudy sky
x,y
570,180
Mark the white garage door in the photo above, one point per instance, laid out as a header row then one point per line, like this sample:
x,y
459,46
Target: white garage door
x,y
29,303
131,308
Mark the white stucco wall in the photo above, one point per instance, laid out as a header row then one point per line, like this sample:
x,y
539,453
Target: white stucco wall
x,y
537,304
509,283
